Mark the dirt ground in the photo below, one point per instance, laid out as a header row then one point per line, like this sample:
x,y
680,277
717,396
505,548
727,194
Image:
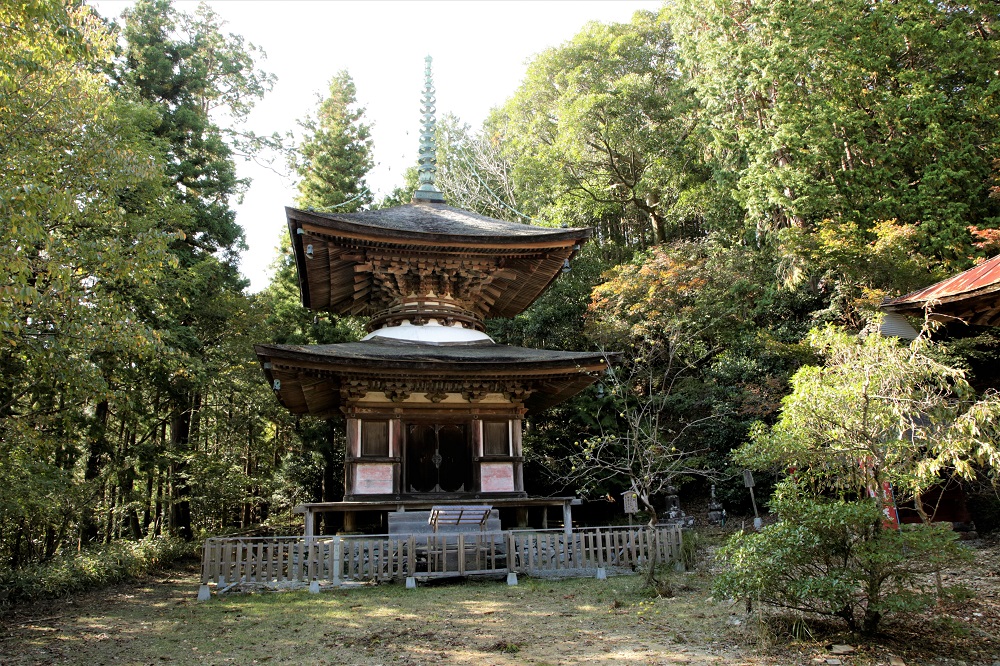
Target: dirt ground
x,y
581,621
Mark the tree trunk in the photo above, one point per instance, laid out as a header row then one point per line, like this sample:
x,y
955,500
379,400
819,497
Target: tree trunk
x,y
15,553
654,559
98,447
127,477
331,471
247,472
918,502
158,519
109,532
147,511
847,614
180,490
870,622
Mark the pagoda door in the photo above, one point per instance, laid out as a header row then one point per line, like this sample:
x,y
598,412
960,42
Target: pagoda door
x,y
438,458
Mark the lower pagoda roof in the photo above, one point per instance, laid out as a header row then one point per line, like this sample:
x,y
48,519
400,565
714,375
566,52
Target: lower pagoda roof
x,y
320,379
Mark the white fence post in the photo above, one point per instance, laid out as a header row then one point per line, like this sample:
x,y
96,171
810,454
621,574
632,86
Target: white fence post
x,y
337,560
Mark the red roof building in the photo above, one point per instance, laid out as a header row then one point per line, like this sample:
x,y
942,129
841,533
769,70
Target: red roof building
x,y
971,297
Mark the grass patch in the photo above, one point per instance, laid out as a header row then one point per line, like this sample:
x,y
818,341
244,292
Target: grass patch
x,y
89,569
539,622
477,622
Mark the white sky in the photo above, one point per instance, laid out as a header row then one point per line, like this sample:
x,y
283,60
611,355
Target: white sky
x,y
480,52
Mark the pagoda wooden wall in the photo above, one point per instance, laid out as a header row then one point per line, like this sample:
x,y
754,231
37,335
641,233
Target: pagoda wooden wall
x,y
376,461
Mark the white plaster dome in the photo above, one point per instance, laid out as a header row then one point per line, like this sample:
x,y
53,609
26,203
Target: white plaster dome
x,y
430,333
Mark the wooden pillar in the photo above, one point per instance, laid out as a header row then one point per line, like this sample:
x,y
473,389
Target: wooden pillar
x,y
310,529
349,523
476,432
517,452
354,437
522,516
567,518
545,517
396,452
477,437
352,453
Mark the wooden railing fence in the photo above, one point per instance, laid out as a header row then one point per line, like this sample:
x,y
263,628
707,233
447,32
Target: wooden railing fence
x,y
268,561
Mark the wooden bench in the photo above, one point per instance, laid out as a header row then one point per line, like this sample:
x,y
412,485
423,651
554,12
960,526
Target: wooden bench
x,y
459,516
450,521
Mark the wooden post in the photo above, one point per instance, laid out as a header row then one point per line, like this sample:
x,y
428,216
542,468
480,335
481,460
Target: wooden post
x,y
349,523
310,523
517,452
522,516
567,518
545,517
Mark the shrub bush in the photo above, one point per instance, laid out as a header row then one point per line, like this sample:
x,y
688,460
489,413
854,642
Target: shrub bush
x,y
91,568
836,558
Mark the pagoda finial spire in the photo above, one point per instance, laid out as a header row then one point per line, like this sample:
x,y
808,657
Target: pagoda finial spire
x,y
427,192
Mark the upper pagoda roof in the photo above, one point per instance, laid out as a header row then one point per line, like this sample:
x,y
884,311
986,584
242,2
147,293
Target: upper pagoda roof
x,y
972,296
359,263
437,222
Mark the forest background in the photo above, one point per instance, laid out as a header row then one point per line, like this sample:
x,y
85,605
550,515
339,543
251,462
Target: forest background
x,y
752,170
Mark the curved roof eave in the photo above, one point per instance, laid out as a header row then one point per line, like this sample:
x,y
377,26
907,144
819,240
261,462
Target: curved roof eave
x,y
436,224
450,358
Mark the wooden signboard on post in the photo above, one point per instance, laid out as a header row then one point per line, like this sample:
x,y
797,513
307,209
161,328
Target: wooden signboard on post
x,y
630,502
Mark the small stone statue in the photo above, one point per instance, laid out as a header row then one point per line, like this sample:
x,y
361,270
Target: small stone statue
x,y
674,514
716,514
673,502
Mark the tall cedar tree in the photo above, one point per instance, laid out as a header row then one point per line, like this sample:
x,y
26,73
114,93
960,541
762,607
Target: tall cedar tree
x,y
332,161
335,154
185,68
850,110
68,254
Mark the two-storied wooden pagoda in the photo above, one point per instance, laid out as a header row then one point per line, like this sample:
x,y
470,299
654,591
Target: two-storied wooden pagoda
x,y
433,406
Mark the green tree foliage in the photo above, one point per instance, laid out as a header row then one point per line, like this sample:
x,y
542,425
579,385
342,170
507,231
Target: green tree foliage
x,y
671,311
131,402
191,73
335,154
834,557
601,131
185,69
663,299
854,270
822,164
71,153
332,161
850,110
877,411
